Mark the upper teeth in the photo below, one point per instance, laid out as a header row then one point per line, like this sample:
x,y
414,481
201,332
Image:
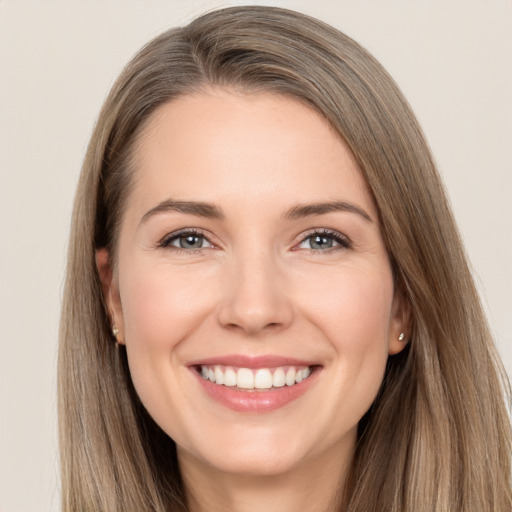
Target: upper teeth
x,y
260,378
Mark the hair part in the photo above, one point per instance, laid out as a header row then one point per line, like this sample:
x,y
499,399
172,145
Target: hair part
x,y
438,435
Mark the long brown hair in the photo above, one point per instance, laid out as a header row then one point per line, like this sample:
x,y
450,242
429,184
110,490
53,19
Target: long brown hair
x,y
438,436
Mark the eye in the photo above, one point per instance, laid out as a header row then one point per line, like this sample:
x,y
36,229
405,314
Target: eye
x,y
324,241
186,240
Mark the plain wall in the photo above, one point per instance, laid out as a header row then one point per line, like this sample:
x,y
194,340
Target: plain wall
x,y
58,60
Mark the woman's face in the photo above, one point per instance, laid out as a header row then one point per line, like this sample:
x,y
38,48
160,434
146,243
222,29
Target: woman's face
x,y
250,254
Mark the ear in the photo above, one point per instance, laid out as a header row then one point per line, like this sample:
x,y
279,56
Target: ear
x,y
400,326
110,290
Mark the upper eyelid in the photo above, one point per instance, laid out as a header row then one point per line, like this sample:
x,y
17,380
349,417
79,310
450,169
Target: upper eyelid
x,y
166,239
325,232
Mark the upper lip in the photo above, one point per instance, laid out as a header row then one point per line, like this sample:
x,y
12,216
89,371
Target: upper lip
x,y
245,361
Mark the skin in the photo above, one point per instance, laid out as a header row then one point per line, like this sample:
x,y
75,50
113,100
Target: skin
x,y
255,287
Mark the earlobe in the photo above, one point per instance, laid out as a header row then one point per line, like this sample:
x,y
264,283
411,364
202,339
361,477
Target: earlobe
x,y
398,344
400,325
110,293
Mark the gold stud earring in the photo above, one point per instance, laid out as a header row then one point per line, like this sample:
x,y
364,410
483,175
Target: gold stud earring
x,y
401,337
115,332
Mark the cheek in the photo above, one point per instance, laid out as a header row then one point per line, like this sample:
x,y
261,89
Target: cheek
x,y
161,306
353,307
354,316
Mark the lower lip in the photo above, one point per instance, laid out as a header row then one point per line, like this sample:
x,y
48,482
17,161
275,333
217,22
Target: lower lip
x,y
258,400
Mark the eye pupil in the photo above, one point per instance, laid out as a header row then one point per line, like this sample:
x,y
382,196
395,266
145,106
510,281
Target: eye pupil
x,y
191,242
321,242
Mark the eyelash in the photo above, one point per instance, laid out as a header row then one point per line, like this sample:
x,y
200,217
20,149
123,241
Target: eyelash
x,y
165,243
342,240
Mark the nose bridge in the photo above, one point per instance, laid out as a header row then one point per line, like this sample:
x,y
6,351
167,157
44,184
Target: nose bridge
x,y
254,297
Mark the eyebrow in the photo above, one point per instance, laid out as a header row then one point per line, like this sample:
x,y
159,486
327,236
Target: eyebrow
x,y
191,207
212,211
307,210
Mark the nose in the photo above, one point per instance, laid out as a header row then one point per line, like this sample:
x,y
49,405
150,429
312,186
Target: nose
x,y
255,299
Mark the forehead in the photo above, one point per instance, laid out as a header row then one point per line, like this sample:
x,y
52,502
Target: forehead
x,y
224,145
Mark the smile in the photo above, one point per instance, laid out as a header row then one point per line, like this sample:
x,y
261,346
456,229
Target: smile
x,y
255,384
254,378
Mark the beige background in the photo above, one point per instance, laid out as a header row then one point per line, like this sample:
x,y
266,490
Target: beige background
x,y
57,62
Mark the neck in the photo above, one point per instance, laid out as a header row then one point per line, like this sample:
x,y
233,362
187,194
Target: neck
x,y
315,485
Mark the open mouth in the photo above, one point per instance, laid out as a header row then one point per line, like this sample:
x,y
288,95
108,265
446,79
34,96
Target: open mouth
x,y
255,379
255,385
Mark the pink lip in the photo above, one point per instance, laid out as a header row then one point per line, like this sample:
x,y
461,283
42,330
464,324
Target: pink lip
x,y
254,401
241,361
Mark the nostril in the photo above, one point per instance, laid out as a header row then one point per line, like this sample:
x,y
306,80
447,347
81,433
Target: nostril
x,y
253,327
254,309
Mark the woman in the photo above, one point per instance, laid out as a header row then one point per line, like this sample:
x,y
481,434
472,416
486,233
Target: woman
x,y
267,304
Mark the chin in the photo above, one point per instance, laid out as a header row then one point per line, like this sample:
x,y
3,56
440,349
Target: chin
x,y
257,466
252,457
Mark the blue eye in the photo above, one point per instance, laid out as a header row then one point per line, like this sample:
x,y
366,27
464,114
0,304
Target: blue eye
x,y
324,241
186,240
